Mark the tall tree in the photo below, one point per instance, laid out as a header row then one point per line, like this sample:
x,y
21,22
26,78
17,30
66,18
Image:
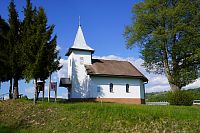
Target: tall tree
x,y
4,64
14,42
41,57
168,32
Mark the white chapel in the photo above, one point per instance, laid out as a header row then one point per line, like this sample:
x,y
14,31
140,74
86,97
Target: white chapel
x,y
101,80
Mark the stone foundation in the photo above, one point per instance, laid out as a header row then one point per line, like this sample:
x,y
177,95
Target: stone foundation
x,y
113,100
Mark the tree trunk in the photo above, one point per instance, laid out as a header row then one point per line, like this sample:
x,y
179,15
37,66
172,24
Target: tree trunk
x,y
38,92
15,88
43,90
10,90
35,94
174,87
168,73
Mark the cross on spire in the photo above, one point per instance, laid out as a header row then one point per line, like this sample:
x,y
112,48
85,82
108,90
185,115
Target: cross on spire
x,y
79,21
79,41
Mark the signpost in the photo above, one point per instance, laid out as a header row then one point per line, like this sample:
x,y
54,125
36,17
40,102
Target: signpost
x,y
52,87
40,87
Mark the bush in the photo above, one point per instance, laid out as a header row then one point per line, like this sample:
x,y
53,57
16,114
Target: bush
x,y
158,97
24,97
180,98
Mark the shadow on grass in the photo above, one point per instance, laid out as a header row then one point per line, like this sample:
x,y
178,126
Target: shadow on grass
x,y
6,129
71,101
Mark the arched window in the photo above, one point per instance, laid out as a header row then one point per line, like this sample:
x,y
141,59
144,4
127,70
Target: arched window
x,y
111,87
127,88
98,89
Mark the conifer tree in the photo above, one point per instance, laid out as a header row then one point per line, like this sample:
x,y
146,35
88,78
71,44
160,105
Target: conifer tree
x,y
4,45
14,54
39,48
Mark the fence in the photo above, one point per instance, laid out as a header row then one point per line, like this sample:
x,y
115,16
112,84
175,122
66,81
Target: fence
x,y
157,103
4,96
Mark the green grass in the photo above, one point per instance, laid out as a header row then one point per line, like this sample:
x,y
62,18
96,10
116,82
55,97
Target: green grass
x,y
23,116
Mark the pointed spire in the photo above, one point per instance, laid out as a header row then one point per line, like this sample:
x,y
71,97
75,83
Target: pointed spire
x,y
79,41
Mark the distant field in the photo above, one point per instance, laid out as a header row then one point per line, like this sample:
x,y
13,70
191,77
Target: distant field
x,y
162,96
23,116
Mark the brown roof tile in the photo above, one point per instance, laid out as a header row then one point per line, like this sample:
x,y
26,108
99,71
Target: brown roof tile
x,y
116,68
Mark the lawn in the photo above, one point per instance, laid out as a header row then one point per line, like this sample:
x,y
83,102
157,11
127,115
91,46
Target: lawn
x,y
23,116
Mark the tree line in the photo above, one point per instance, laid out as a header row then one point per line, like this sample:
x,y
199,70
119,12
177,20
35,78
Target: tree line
x,y
27,47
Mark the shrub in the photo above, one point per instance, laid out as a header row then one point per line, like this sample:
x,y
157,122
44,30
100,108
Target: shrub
x,y
158,97
180,98
24,97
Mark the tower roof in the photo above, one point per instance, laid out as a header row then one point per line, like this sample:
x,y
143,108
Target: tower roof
x,y
79,42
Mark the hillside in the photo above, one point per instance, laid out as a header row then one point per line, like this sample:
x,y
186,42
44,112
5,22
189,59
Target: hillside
x,y
162,96
23,116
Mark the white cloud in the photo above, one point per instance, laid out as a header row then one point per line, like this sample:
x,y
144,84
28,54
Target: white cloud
x,y
29,90
58,47
195,84
6,97
157,88
109,57
63,71
54,78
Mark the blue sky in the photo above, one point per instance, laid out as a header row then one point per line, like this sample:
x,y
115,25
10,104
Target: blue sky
x,y
103,23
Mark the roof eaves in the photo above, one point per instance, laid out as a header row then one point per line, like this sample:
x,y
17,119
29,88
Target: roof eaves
x,y
70,50
121,76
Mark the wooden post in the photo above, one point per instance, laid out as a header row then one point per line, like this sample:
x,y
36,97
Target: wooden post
x,y
35,92
55,91
43,91
49,88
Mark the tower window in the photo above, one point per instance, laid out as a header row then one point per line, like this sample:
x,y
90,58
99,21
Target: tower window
x,y
111,87
98,89
70,62
81,60
127,88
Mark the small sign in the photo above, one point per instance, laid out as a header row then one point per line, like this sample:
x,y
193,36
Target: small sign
x,y
53,86
40,86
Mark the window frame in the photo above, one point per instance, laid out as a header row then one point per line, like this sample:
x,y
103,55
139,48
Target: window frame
x,y
111,87
81,60
127,88
98,89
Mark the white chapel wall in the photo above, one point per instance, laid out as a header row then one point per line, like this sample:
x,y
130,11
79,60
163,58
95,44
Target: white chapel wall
x,y
119,87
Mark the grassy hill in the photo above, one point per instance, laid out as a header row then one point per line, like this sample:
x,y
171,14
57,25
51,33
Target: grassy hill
x,y
162,96
23,116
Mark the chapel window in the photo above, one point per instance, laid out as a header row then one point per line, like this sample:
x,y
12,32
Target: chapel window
x,y
127,88
111,87
98,89
81,60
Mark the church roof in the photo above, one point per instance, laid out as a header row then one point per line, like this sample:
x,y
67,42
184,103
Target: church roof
x,y
79,42
65,82
114,68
